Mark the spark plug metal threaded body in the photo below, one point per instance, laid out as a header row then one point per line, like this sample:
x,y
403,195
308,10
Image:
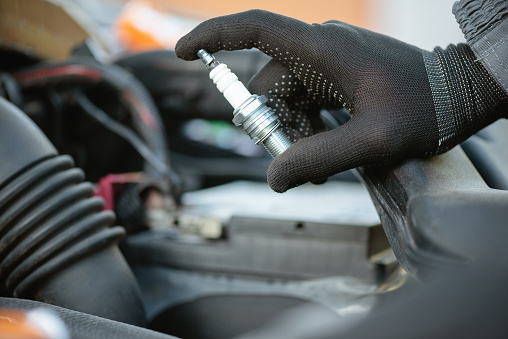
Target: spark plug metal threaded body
x,y
250,110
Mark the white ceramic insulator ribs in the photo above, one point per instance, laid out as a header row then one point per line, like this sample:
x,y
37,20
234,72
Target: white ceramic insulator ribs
x,y
227,83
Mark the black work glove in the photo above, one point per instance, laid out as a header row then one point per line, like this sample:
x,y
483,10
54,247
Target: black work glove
x,y
403,101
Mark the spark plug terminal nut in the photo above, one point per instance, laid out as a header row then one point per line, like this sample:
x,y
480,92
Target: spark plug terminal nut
x,y
250,110
243,112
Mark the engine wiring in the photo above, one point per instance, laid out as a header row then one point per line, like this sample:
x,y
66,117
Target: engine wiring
x,y
83,73
124,132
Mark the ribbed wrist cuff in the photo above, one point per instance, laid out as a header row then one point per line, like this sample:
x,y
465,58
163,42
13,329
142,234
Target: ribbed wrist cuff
x,y
485,26
477,17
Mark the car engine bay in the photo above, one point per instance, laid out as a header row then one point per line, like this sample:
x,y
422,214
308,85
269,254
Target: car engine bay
x,y
204,248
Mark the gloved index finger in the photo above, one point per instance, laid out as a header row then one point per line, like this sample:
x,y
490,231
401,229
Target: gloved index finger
x,y
272,33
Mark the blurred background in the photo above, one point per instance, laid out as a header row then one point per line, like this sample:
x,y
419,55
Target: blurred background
x,y
139,35
101,80
145,24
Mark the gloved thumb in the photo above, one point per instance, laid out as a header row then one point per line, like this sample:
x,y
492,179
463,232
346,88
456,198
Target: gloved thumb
x,y
359,142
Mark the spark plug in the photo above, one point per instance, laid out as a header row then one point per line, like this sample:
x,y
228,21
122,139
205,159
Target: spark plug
x,y
250,111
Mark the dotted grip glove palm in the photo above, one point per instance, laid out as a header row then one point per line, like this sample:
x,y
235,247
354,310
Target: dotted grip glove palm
x,y
404,102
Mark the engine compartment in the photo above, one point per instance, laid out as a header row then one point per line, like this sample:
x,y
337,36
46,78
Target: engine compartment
x,y
207,250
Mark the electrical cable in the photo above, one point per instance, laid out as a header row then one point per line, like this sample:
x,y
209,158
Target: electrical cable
x,y
132,94
10,90
124,132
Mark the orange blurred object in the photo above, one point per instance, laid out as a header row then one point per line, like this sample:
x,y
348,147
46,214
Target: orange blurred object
x,y
15,325
37,323
145,25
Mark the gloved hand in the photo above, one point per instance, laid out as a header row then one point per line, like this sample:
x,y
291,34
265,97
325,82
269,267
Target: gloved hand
x,y
404,102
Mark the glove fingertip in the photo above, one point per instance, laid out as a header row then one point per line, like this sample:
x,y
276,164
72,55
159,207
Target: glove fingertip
x,y
319,181
283,173
277,186
280,183
186,49
278,178
181,51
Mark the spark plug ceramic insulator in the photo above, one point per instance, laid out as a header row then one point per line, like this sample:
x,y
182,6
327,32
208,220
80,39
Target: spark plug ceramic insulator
x,y
250,111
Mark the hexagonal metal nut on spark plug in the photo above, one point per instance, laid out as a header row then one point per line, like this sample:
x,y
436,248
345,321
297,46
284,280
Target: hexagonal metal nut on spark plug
x,y
250,105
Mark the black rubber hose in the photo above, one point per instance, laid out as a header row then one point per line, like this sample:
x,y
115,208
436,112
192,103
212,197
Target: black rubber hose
x,y
132,95
56,244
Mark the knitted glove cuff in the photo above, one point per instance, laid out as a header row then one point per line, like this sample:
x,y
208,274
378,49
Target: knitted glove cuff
x,y
466,98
